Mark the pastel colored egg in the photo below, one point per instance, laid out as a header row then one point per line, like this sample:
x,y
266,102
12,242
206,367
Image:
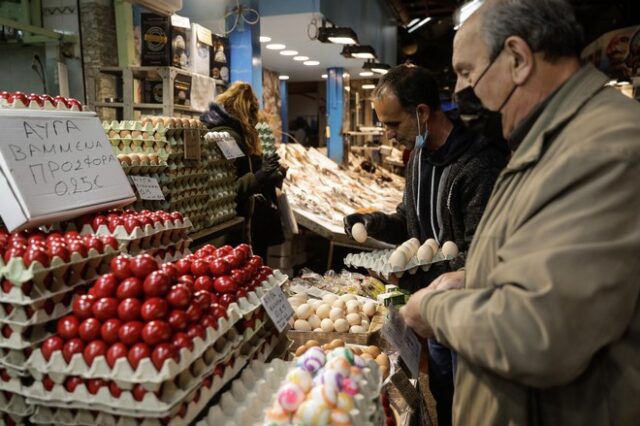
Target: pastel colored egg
x,y
290,397
300,378
313,413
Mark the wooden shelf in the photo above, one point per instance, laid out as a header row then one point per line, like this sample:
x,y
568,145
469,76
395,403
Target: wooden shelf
x,y
218,229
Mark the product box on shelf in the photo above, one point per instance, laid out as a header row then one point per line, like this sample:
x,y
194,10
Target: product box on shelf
x,y
165,40
220,58
201,43
56,165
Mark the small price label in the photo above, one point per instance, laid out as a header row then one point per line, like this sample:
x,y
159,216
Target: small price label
x,y
230,148
404,339
148,188
277,307
192,144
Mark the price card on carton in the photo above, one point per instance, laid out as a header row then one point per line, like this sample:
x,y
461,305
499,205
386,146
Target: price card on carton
x,y
277,307
56,165
148,188
230,148
404,339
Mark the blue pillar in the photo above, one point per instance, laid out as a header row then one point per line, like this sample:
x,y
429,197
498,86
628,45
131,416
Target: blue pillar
x,y
246,58
284,115
335,113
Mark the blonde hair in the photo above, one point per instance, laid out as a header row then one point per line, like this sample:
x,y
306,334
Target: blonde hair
x,y
240,101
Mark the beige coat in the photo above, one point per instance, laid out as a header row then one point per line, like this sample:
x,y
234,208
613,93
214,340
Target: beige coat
x,y
548,326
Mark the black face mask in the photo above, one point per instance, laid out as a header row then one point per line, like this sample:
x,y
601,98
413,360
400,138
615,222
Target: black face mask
x,y
473,113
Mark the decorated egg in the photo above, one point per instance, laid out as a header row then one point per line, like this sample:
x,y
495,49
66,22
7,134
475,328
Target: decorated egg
x,y
300,378
340,418
313,412
290,397
345,402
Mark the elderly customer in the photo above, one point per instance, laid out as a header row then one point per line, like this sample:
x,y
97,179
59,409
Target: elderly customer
x,y
546,317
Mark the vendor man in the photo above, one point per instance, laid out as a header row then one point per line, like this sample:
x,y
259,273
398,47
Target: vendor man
x,y
547,322
449,178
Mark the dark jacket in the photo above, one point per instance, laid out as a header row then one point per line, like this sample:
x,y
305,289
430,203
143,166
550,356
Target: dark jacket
x,y
467,167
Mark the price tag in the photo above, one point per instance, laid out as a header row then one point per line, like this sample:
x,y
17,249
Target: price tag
x,y
56,165
148,188
191,144
230,148
277,307
404,339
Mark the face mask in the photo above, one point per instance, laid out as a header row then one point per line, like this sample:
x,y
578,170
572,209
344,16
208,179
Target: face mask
x,y
475,115
420,138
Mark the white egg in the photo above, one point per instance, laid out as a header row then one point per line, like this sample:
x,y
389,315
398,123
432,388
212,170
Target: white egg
x,y
425,253
365,324
329,299
414,243
304,311
314,321
369,309
295,302
300,296
353,306
433,244
354,319
359,232
302,325
336,313
318,330
398,259
314,303
357,329
346,297
326,325
323,311
450,249
339,304
341,325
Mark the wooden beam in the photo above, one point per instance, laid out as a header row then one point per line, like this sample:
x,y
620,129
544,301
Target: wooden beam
x,y
400,11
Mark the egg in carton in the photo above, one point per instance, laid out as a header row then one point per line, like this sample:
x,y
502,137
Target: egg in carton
x,y
11,379
146,372
26,316
30,293
18,338
15,406
158,401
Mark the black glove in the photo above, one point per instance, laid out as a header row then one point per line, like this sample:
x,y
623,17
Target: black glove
x,y
269,167
366,219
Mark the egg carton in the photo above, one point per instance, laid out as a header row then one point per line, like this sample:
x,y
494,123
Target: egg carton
x,y
257,388
146,371
12,361
21,317
33,105
17,272
378,261
10,382
40,293
152,244
121,234
67,417
25,337
145,169
15,404
172,393
170,258
133,125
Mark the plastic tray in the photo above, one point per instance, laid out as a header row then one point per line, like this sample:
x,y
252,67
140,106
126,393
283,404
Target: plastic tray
x,y
378,261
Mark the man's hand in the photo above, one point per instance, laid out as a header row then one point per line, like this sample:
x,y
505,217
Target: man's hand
x,y
411,313
448,281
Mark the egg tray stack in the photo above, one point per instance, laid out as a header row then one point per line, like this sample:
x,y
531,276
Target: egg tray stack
x,y
378,262
274,393
223,176
268,139
75,393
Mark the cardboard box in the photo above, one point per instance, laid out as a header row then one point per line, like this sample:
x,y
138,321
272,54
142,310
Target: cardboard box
x,y
56,166
165,40
220,58
182,90
201,43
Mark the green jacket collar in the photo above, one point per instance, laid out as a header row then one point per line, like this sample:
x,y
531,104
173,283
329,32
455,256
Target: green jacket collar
x,y
566,103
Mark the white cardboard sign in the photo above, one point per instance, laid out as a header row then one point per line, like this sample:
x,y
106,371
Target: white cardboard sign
x,y
404,339
278,307
230,148
148,188
56,165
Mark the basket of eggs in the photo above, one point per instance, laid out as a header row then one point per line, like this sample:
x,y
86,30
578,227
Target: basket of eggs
x,y
335,317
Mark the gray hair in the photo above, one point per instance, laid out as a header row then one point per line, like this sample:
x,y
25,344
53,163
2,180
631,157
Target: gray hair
x,y
548,26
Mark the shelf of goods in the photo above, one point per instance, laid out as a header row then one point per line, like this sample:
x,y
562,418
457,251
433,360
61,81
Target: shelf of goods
x,y
144,344
202,189
321,191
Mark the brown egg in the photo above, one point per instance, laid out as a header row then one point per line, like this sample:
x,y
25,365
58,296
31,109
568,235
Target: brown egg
x,y
301,350
374,351
124,159
338,343
312,343
383,360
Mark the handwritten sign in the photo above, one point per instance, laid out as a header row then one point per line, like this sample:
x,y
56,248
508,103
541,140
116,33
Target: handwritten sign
x,y
277,307
55,164
404,339
148,188
230,148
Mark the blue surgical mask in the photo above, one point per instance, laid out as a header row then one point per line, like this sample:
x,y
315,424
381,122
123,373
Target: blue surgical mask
x,y
420,138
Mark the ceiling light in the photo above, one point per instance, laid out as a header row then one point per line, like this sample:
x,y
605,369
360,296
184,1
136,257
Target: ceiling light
x,y
368,86
419,24
284,77
289,52
324,76
300,58
412,23
465,11
337,35
265,39
376,67
360,52
366,73
275,46
345,75
311,63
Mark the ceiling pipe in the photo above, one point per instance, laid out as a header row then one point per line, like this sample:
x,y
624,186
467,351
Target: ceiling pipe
x,y
400,11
